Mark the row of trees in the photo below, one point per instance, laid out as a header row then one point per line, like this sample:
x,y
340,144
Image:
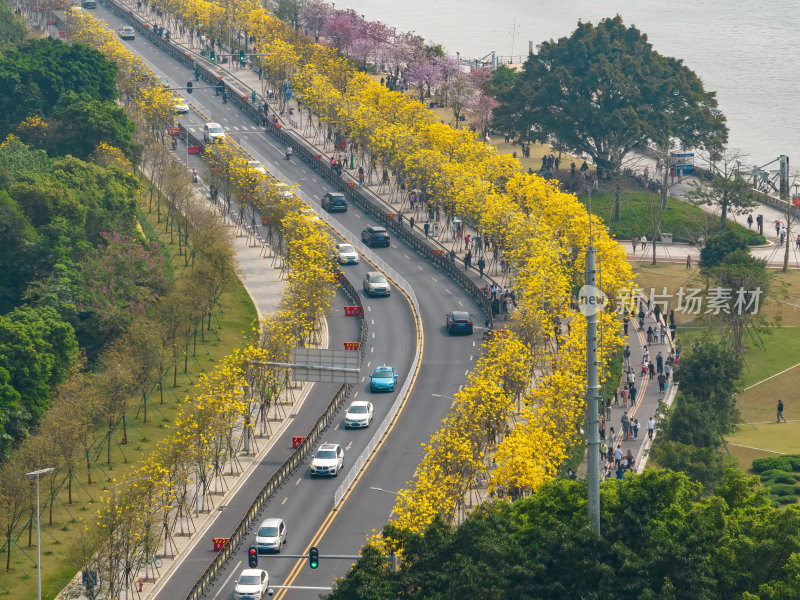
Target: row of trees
x,y
233,401
543,232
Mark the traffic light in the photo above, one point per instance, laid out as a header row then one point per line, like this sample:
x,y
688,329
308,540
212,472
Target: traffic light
x,y
212,56
188,87
313,557
241,56
252,557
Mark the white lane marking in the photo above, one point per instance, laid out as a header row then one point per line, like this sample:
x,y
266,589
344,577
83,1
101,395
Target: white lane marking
x,y
369,308
314,180
372,349
358,216
224,588
355,395
394,245
434,278
363,378
453,403
350,445
373,335
420,268
407,256
460,303
473,343
461,386
466,372
470,356
448,291
368,364
372,321
300,479
285,499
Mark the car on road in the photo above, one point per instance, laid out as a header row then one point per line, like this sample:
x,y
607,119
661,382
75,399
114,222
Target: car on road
x,y
328,460
179,106
459,321
251,585
213,132
383,379
88,4
334,201
359,414
346,254
255,165
375,284
126,33
283,190
271,535
375,236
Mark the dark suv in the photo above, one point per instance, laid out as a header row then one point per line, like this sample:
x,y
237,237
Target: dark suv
x,y
334,201
459,321
375,236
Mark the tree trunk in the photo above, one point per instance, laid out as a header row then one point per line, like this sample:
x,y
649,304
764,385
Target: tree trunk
x,y
723,215
617,195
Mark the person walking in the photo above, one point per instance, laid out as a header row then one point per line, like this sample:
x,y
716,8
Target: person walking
x,y
624,394
663,333
632,391
651,425
634,243
780,412
626,354
467,260
636,429
660,363
662,383
617,456
667,370
688,261
194,175
749,221
656,333
626,319
481,265
626,424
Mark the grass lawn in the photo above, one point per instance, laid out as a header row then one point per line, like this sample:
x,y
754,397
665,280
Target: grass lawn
x,y
767,439
685,221
60,550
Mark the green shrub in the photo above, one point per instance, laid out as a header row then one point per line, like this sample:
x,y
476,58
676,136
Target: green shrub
x,y
781,489
781,463
778,476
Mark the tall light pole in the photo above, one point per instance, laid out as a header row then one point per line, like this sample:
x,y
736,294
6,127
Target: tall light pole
x,y
36,475
592,304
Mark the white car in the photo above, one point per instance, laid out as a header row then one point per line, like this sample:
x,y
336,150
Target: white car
x,y
213,132
328,460
180,107
271,535
251,585
126,33
284,190
359,414
346,254
257,166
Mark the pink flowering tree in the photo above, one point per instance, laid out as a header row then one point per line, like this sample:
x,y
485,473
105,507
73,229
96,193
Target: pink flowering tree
x,y
340,30
315,15
423,75
123,278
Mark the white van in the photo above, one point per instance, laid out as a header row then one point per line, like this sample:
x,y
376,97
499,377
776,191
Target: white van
x,y
213,132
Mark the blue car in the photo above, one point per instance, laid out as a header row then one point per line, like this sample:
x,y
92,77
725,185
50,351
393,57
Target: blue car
x,y
383,379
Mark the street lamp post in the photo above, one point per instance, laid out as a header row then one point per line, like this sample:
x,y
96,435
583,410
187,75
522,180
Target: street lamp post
x,y
37,475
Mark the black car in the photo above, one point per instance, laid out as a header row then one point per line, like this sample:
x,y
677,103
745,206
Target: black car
x,y
459,321
334,202
375,236
88,4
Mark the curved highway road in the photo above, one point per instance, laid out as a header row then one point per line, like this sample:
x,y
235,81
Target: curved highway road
x,y
306,504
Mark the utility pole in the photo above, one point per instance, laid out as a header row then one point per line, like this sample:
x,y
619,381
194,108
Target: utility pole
x,y
592,386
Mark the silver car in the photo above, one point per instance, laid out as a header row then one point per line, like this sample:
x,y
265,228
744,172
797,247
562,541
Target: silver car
x,y
271,535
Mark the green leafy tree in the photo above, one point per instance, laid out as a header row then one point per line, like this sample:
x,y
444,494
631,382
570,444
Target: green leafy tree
x,y
663,536
37,349
12,27
35,74
726,189
603,91
718,246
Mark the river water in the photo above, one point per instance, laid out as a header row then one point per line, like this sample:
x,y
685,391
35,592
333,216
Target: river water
x,y
748,51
